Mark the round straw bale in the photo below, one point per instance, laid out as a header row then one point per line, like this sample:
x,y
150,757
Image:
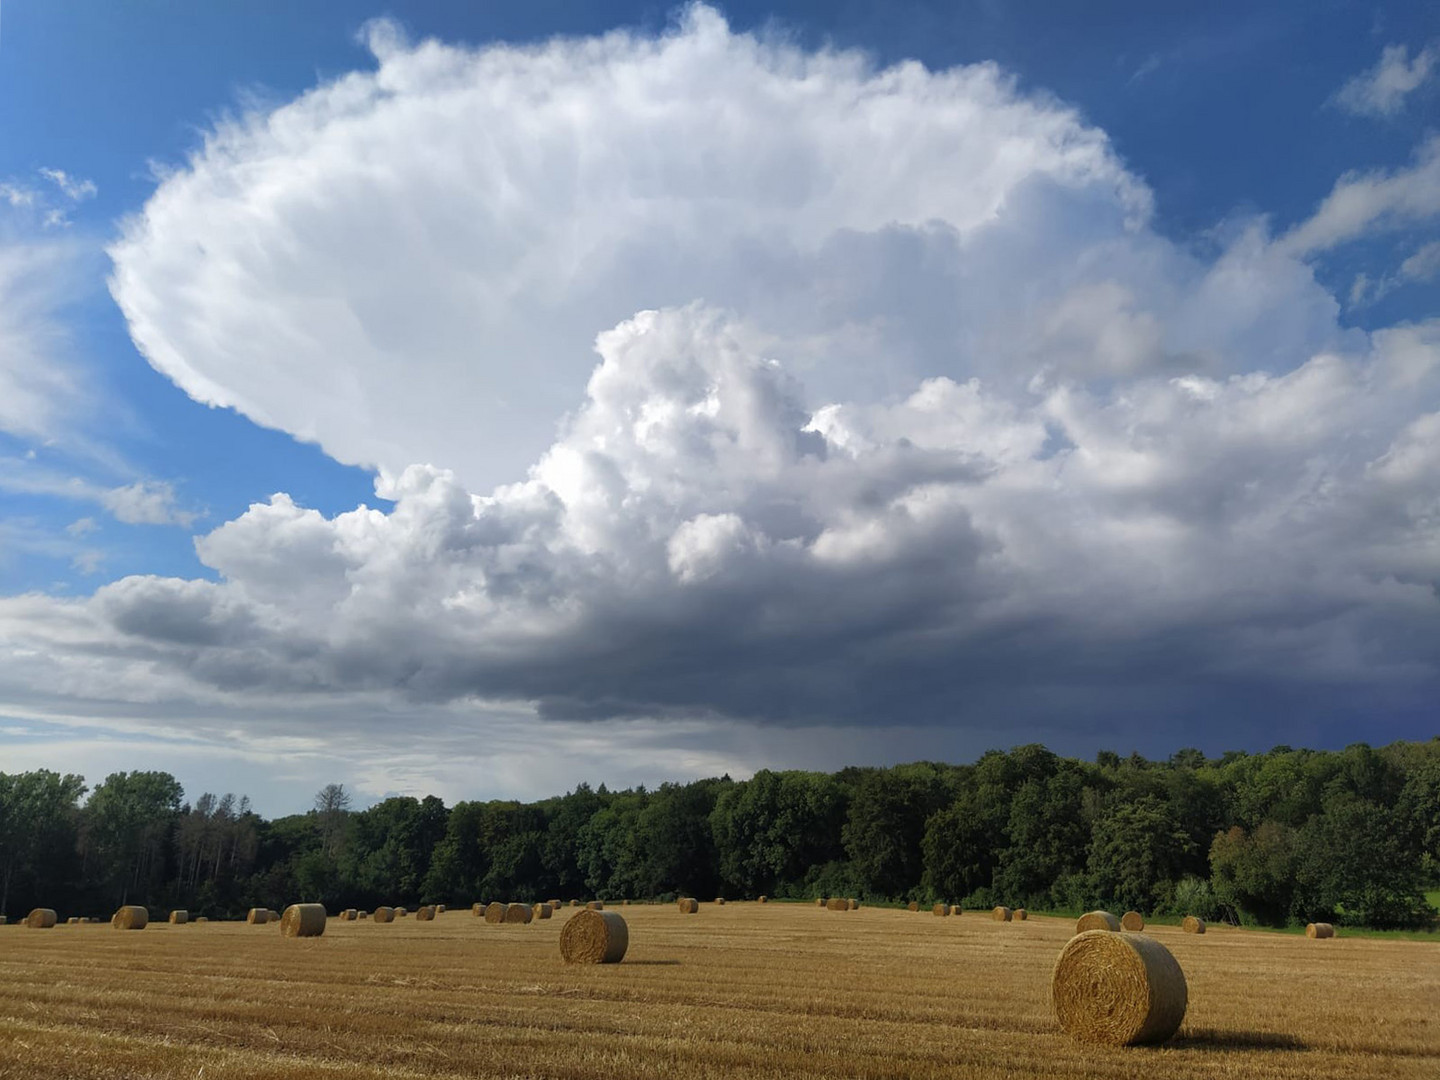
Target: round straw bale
x,y
624,903
1001,913
595,905
495,912
201,919
689,905
518,913
574,903
1119,989
274,915
1132,920
763,900
258,916
555,904
1097,920
179,917
543,911
854,904
348,915
1019,914
838,903
914,905
425,913
362,915
594,937
384,914
73,920
439,909
130,917
1193,924
941,909
720,900
303,920
401,912
1320,930
820,901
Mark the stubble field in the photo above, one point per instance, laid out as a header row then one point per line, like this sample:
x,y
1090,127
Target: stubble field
x,y
740,990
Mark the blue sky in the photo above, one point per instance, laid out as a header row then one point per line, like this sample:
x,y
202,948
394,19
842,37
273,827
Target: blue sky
x,y
1069,384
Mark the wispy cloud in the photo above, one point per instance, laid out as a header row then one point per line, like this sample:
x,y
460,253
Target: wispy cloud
x,y
1382,90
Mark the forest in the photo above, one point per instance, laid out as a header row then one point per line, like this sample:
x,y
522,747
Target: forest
x,y
1291,835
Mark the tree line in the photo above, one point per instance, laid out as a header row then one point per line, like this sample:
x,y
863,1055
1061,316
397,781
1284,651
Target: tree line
x,y
1349,836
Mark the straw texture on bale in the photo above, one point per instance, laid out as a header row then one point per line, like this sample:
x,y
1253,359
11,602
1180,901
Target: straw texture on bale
x,y
1001,913
838,903
1132,920
595,905
854,904
594,937
130,917
689,905
914,905
941,909
425,913
384,915
1019,914
1097,920
1193,924
179,917
518,913
1320,930
555,904
303,920
543,911
1118,989
495,912
258,915
401,912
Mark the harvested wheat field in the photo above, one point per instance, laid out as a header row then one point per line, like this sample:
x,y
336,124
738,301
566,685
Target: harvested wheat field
x,y
783,990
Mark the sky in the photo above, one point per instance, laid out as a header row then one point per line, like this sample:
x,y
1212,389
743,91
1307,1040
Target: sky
x,y
481,399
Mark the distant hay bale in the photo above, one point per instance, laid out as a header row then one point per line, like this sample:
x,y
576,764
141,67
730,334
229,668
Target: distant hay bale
x,y
179,918
1019,914
1132,920
425,913
720,900
274,915
401,912
258,916
689,905
555,904
73,920
543,911
595,905
914,905
820,901
941,909
838,903
130,917
1193,924
478,909
854,904
203,919
495,912
362,915
574,903
303,920
439,909
1097,920
4,919
384,915
763,900
348,915
518,913
1001,913
1320,930
594,937
1118,989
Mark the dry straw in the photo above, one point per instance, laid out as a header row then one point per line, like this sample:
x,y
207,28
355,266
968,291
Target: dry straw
x,y
73,920
303,920
594,937
348,915
1001,913
274,915
819,901
362,915
518,913
1118,989
1320,930
719,900
555,904
1097,920
689,905
941,909
384,914
1132,920
914,905
763,900
838,903
543,911
1019,914
595,905
574,903
1193,924
478,909
401,912
41,918
425,913
495,912
439,909
854,904
259,916
130,917
201,919
179,918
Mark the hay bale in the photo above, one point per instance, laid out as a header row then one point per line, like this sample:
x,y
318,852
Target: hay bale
x,y
1097,920
179,918
689,905
258,916
595,905
1132,920
1001,913
73,920
543,911
4,919
556,904
854,904
202,919
1118,989
763,900
941,909
820,901
1193,924
1320,930
274,915
401,912
348,915
303,920
838,903
624,903
574,903
518,914
594,937
720,900
914,905
495,912
384,914
130,917
425,913
439,909
1019,914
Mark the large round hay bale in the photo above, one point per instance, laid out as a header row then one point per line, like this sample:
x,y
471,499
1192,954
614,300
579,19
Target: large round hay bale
x,y
1019,914
518,913
941,909
595,905
1001,913
495,912
914,905
689,905
838,903
425,913
543,911
258,916
1118,989
1193,924
1132,920
1097,920
384,914
594,937
1320,930
179,918
130,917
303,920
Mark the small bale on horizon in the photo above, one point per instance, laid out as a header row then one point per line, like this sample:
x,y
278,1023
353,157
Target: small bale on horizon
x,y
1097,920
1192,924
1320,930
303,920
1020,914
258,916
594,937
914,905
1133,921
1001,913
439,909
1118,989
543,911
941,909
820,901
384,915
202,919
595,905
720,900
425,913
763,900
838,903
518,914
130,917
179,918
688,905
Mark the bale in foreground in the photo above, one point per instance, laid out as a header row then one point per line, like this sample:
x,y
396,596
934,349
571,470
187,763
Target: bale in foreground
x,y
594,937
130,917
1001,913
1118,989
1320,930
1193,924
1097,920
689,905
303,920
1132,920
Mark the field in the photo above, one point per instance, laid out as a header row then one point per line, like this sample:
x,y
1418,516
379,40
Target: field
x,y
742,990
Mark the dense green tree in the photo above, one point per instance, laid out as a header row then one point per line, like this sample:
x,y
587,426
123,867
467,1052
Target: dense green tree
x,y
770,830
1138,851
38,829
125,826
1253,873
886,827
